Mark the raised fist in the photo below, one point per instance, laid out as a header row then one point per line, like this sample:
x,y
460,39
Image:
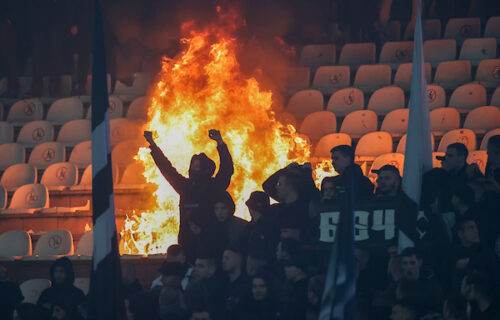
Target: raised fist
x,y
149,137
215,135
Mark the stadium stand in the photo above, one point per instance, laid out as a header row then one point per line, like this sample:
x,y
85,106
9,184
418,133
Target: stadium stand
x,y
356,54
74,132
451,74
305,102
64,110
396,122
329,79
36,132
386,99
298,78
402,78
33,288
488,73
138,107
372,145
476,50
45,154
345,101
436,96
437,51
316,55
372,77
59,176
318,124
487,136
483,119
444,120
465,136
18,175
28,199
12,153
330,141
24,111
358,123
431,29
492,28
115,108
462,28
15,244
468,97
396,53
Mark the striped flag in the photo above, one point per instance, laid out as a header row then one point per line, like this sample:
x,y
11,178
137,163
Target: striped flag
x,y
340,286
105,299
418,153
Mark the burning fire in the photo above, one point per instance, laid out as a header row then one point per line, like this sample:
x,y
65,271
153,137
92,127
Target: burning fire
x,y
200,89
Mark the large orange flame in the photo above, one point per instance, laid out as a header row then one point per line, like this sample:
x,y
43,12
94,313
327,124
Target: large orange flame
x,y
200,89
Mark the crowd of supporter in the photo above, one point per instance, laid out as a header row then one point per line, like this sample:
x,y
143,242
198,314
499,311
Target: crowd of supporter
x,y
275,265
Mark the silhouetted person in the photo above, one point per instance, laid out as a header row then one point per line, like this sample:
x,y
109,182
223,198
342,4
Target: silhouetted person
x,y
238,284
455,163
130,284
343,161
262,302
198,190
481,292
10,293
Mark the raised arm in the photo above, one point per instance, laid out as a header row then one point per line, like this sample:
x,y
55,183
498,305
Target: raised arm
x,y
226,169
176,180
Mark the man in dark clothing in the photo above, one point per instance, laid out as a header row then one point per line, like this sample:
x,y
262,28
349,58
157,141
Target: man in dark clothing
x,y
238,284
455,163
294,294
197,191
62,277
130,284
493,165
480,291
10,293
343,160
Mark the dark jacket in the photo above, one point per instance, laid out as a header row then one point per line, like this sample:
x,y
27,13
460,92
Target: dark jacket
x,y
198,191
11,296
66,292
363,187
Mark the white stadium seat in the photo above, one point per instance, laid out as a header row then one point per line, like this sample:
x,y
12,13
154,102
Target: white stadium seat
x,y
480,158
345,101
316,55
15,243
54,243
60,175
64,110
36,132
465,136
396,122
444,120
476,50
330,141
468,97
488,73
305,102
487,136
462,28
401,148
358,123
356,54
138,108
372,77
24,111
33,288
329,79
373,144
451,74
492,28
318,124
18,175
81,155
395,53
483,119
386,99
28,199
436,51
45,154
74,132
402,78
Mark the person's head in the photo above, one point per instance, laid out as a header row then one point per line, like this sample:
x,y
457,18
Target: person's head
x,y
231,260
477,286
388,180
403,310
411,263
296,268
128,273
224,207
328,188
176,253
201,167
286,249
256,262
59,313
204,268
63,308
463,196
260,287
62,273
493,150
201,314
467,231
287,188
315,289
456,156
258,204
28,311
172,274
342,157
454,308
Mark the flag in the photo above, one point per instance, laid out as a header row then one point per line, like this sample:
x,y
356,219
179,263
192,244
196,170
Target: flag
x,y
340,286
105,299
418,153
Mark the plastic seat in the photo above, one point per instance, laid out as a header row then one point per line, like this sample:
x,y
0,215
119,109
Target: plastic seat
x,y
358,123
123,129
402,78
74,132
36,132
86,181
396,122
495,98
124,152
316,55
33,288
401,148
54,243
64,110
140,86
60,175
345,101
444,120
386,99
18,175
492,28
462,28
81,155
435,162
14,244
46,154
476,50
3,197
480,158
115,108
305,102
373,144
483,119
451,74
138,108
436,96
28,199
286,118
326,143
356,54
6,132
12,153
329,79
488,73
395,53
465,136
467,97
85,244
82,284
436,51
487,136
318,124
132,176
393,159
297,79
24,111
431,30
372,77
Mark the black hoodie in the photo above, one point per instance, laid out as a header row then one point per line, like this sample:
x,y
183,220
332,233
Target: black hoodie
x,y
66,292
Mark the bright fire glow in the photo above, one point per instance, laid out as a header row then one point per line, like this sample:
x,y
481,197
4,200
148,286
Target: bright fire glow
x,y
200,89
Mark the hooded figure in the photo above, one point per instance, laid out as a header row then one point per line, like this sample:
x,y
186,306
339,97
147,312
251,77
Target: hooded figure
x,y
198,190
62,288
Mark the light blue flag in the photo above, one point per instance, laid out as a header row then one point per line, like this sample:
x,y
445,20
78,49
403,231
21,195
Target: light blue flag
x,y
418,153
